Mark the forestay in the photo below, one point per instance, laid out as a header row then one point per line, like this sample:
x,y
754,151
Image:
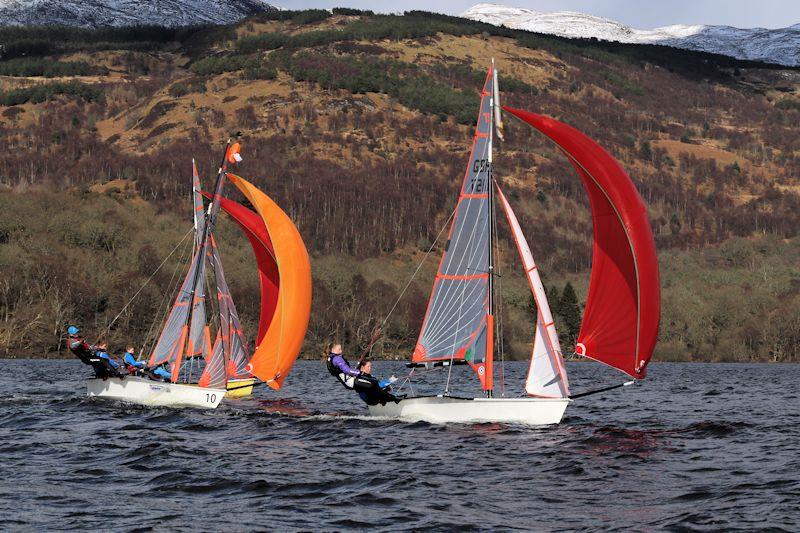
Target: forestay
x,y
457,320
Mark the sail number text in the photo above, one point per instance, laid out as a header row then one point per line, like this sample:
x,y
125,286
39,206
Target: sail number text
x,y
479,166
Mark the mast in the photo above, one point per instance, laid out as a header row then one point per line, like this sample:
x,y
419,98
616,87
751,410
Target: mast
x,y
490,206
213,209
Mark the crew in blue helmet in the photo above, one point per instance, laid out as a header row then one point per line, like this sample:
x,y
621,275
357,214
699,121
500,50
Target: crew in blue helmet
x,y
103,366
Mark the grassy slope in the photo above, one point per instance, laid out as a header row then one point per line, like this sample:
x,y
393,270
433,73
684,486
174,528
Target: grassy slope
x,y
730,291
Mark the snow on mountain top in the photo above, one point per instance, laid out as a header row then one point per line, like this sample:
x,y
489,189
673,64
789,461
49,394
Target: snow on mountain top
x,y
95,13
781,46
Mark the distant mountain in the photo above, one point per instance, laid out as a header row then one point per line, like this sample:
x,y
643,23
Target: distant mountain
x,y
781,46
97,13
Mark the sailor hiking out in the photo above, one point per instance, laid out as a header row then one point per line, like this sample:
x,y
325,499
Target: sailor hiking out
x,y
369,388
340,368
94,356
372,390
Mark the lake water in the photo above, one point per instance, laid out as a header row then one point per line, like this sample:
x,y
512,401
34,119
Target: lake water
x,y
694,447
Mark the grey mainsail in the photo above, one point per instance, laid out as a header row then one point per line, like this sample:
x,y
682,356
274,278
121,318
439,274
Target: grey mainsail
x,y
457,322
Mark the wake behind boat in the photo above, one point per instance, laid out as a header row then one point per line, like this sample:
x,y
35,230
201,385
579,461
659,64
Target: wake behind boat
x,y
623,306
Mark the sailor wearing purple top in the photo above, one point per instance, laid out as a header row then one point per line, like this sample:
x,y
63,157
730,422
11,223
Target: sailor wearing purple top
x,y
340,368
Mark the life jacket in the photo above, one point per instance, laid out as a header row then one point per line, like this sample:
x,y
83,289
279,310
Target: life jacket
x,y
132,369
347,381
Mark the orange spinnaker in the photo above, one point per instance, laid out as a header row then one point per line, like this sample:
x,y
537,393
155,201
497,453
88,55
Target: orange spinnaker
x,y
276,353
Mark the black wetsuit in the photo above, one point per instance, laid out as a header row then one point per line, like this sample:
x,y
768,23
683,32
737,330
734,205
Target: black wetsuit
x,y
103,368
370,390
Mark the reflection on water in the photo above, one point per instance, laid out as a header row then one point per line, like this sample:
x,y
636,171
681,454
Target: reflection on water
x,y
693,447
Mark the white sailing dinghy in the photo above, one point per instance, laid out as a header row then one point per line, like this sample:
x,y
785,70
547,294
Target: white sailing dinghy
x,y
623,307
185,337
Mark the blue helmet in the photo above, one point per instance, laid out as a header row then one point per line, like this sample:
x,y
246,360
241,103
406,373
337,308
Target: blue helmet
x,y
72,330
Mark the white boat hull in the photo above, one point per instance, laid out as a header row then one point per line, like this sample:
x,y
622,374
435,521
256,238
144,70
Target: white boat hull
x,y
145,391
447,409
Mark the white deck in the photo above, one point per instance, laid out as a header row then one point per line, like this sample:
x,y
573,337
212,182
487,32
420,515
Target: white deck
x,y
446,409
145,391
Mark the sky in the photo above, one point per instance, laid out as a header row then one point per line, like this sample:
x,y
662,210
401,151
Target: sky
x,y
641,14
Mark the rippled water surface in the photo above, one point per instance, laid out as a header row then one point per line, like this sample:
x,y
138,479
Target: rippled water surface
x,y
695,446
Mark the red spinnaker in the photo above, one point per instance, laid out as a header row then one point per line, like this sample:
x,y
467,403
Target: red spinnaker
x,y
269,280
623,308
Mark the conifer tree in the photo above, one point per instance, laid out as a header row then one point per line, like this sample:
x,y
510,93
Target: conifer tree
x,y
571,313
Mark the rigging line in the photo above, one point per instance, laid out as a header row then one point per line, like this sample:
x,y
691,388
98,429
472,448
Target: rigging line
x,y
461,232
132,298
499,308
419,266
163,307
453,350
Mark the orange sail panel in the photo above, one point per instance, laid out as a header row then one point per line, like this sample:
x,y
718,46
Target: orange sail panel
x,y
623,308
547,376
214,373
457,320
277,351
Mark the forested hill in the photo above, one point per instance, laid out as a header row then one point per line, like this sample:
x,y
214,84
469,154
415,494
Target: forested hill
x,y
359,126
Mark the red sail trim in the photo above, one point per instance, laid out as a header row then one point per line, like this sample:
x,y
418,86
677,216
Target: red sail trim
x,y
623,308
269,280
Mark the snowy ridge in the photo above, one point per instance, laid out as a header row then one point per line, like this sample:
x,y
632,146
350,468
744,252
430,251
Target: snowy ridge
x,y
781,46
96,13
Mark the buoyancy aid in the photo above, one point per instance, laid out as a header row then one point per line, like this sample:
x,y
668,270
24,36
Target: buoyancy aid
x,y
347,381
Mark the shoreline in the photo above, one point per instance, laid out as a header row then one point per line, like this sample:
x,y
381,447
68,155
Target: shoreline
x,y
67,357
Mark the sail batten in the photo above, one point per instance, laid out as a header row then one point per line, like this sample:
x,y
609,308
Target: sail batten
x,y
230,328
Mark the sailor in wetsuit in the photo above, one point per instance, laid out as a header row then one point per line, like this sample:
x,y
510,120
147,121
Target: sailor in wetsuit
x,y
160,372
372,390
103,367
340,368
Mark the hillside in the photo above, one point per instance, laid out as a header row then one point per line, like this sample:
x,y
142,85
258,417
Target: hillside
x,y
359,126
102,13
